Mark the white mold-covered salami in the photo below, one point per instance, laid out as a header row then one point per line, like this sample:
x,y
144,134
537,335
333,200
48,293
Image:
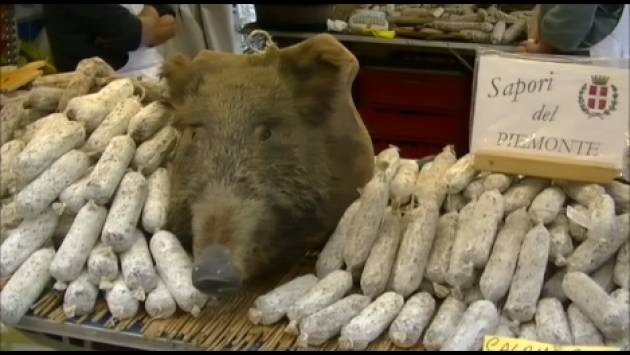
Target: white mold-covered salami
x,y
472,294
527,331
327,291
609,315
364,229
79,85
152,153
47,146
622,266
10,116
583,331
497,32
513,31
91,109
553,286
120,302
552,326
87,72
74,197
124,213
561,243
10,218
25,286
474,190
155,90
31,115
137,268
102,266
497,276
460,174
603,276
147,121
523,193
95,67
579,219
528,279
583,194
485,220
454,202
9,153
114,124
272,306
34,127
63,227
371,322
620,192
378,266
155,210
599,247
412,320
44,98
391,158
174,266
321,326
110,169
29,236
431,184
76,247
40,193
506,328
497,181
58,80
440,291
547,205
602,213
159,303
331,256
424,172
461,270
444,323
415,247
480,319
80,297
437,267
404,182
622,295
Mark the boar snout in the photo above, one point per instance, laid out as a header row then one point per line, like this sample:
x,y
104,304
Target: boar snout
x,y
214,272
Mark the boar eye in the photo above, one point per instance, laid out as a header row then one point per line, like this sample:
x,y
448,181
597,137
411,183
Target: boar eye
x,y
263,133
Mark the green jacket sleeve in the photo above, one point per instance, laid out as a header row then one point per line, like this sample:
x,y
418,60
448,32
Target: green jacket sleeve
x,y
566,26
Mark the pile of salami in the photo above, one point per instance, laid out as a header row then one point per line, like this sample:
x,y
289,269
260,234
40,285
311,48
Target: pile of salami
x,y
85,195
445,255
465,22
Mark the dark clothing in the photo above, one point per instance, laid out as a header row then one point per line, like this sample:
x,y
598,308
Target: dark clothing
x,y
577,27
79,31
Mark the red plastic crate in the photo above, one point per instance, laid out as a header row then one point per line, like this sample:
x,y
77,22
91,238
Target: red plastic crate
x,y
443,126
418,111
413,89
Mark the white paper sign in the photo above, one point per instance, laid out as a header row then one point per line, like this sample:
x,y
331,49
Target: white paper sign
x,y
560,110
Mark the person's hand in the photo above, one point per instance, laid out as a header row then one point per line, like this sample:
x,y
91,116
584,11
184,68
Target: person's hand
x,y
149,18
167,20
533,46
150,12
156,29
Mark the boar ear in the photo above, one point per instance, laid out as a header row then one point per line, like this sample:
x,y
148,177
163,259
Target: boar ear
x,y
317,70
182,78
